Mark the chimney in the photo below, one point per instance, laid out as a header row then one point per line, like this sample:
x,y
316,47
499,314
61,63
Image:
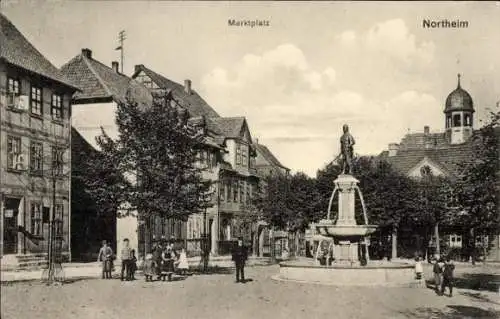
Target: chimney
x,y
87,53
393,149
138,67
114,66
426,130
187,86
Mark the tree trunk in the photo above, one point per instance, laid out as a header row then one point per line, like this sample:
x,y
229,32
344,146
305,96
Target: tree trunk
x,y
436,236
394,252
472,246
147,237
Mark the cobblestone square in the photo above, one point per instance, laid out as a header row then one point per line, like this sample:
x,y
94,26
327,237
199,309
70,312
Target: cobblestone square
x,y
218,296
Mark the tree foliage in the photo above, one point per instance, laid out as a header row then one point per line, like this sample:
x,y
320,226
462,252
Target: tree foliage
x,y
478,188
152,167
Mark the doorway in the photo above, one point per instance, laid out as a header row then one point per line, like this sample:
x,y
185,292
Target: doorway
x,y
10,228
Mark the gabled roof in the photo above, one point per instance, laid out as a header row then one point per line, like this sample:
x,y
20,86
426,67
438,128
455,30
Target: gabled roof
x,y
449,158
268,155
229,127
99,81
15,49
195,104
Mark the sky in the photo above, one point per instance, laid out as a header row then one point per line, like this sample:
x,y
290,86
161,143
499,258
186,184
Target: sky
x,y
315,67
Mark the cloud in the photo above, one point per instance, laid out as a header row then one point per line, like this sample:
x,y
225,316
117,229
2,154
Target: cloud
x,y
388,39
298,109
347,38
393,38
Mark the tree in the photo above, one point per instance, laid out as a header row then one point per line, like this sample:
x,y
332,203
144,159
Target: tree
x,y
271,200
152,167
478,186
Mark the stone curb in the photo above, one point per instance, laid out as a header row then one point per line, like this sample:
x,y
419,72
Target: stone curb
x,y
280,279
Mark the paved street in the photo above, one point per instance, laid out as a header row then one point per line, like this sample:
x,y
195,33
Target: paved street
x,y
217,296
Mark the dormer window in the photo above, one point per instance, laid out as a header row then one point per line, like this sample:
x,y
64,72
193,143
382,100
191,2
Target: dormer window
x,y
425,171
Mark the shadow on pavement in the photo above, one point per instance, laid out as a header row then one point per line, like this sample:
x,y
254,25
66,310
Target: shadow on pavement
x,y
452,312
478,297
212,271
487,282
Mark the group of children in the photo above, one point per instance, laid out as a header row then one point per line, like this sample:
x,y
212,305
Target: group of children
x,y
443,274
163,262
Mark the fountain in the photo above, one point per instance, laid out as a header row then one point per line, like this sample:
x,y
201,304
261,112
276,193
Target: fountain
x,y
348,258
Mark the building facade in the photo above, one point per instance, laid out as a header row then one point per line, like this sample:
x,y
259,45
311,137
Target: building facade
x,y
230,161
441,153
35,161
94,109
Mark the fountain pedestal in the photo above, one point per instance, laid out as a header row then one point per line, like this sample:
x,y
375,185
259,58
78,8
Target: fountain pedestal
x,y
345,233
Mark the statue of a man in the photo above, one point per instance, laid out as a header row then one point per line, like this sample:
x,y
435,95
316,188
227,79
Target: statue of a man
x,y
346,149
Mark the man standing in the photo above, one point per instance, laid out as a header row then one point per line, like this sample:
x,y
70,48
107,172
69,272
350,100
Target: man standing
x,y
126,255
449,267
239,257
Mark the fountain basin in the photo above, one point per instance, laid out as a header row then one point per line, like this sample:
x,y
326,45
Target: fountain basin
x,y
345,230
376,273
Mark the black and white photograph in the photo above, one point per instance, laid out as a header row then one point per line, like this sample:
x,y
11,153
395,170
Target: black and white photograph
x,y
249,159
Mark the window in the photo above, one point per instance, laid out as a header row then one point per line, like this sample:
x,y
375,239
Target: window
x,y
56,107
235,191
467,120
58,219
36,100
248,193
13,152
252,162
242,192
57,161
244,157
222,191
456,120
36,219
425,171
238,154
13,90
448,121
229,194
36,158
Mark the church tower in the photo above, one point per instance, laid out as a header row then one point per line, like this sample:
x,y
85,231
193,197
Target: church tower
x,y
459,110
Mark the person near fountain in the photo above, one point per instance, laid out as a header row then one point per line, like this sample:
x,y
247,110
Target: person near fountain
x,y
437,269
419,270
346,149
239,256
449,267
106,257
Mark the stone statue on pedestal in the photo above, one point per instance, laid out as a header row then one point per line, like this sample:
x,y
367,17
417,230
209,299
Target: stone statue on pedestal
x,y
346,150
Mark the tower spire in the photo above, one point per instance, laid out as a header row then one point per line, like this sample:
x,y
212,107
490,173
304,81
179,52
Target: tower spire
x,y
458,75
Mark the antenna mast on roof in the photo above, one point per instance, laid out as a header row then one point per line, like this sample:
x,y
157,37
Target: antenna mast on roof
x,y
121,38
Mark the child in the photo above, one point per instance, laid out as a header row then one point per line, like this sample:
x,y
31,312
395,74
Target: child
x,y
149,267
133,264
418,268
449,267
183,262
106,257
